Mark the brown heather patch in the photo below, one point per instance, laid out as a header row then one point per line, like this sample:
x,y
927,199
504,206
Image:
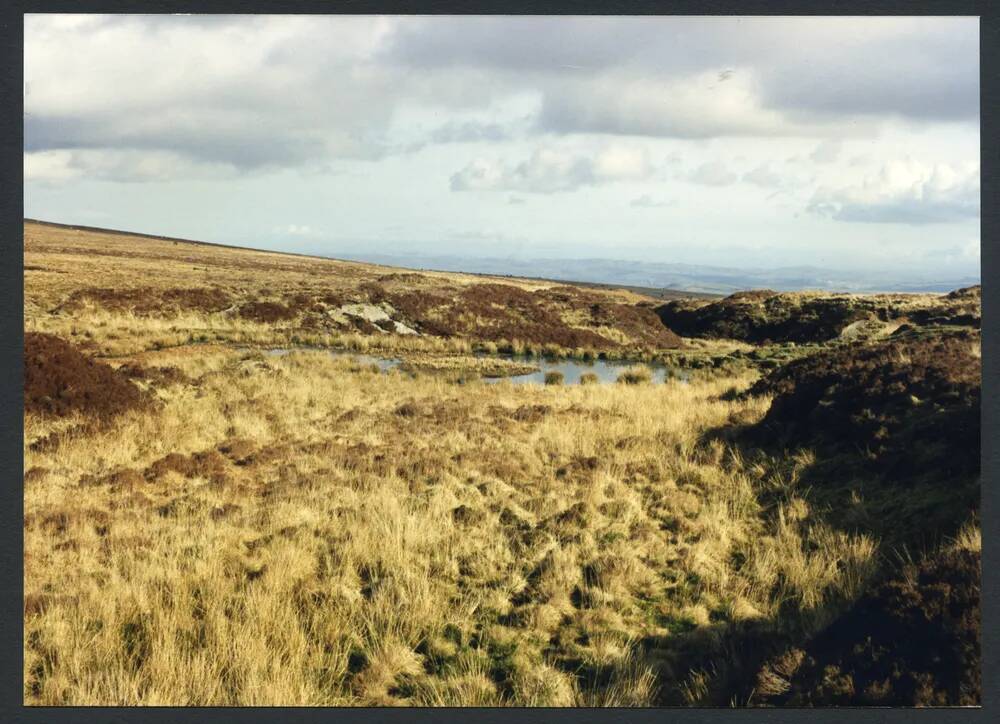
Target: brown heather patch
x,y
973,293
498,313
764,316
913,641
210,465
405,277
751,295
414,305
60,381
152,301
639,322
912,403
240,451
373,292
266,312
35,474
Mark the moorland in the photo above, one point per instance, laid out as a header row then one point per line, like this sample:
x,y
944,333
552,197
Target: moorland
x,y
790,517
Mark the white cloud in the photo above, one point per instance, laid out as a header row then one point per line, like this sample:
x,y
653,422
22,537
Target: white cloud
x,y
206,87
827,152
905,192
765,177
119,165
712,173
295,230
254,92
693,106
646,201
550,170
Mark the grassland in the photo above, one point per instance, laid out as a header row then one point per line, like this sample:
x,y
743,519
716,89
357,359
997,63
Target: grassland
x,y
234,528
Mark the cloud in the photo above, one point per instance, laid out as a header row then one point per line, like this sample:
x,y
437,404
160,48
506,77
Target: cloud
x,y
266,92
469,132
712,173
827,152
923,69
124,166
968,252
646,202
624,103
765,177
550,170
260,92
295,230
905,192
753,76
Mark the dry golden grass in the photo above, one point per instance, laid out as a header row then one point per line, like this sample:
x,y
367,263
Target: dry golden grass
x,y
452,551
476,366
330,535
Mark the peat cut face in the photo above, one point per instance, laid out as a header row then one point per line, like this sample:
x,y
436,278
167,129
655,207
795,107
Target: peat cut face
x,y
59,380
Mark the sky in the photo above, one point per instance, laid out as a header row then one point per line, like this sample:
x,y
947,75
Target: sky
x,y
846,143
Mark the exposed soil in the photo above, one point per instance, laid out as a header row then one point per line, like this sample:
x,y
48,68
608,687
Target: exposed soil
x,y
913,641
59,380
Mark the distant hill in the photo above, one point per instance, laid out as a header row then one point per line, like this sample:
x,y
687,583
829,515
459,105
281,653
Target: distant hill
x,y
654,279
677,277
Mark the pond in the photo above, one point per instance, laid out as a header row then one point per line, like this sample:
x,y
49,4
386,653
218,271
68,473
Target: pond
x,y
571,370
385,364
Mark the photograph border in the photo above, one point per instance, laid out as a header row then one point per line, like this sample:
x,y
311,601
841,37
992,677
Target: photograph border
x,y
12,340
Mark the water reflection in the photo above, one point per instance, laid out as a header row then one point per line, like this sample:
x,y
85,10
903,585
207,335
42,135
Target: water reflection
x,y
571,370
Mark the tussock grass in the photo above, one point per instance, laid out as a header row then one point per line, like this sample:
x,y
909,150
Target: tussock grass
x,y
364,556
306,530
636,376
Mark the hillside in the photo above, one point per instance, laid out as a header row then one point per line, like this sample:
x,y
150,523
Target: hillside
x,y
229,291
267,479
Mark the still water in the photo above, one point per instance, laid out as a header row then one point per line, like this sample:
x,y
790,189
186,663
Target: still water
x,y
572,370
